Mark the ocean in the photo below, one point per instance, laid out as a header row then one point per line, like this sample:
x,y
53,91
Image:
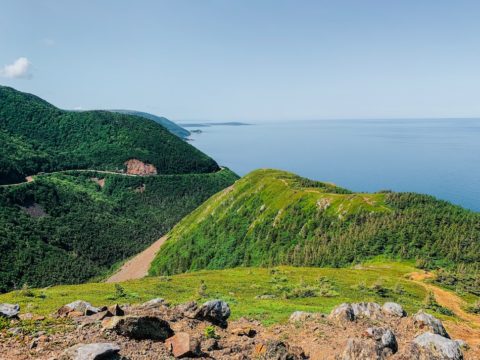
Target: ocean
x,y
439,157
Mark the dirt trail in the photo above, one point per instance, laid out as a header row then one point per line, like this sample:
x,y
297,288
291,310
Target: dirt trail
x,y
469,327
137,267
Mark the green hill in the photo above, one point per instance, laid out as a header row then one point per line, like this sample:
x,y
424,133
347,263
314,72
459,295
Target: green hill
x,y
72,226
35,136
272,217
168,124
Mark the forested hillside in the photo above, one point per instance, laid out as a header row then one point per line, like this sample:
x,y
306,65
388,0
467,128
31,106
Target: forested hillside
x,y
70,227
273,217
37,137
168,124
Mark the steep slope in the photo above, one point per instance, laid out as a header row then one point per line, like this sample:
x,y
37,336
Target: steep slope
x,y
69,227
166,123
273,217
37,137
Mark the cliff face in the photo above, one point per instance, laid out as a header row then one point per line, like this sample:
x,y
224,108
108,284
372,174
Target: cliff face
x,y
137,167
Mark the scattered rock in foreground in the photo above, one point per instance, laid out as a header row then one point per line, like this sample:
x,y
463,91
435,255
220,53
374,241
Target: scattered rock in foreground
x,y
140,327
433,346
215,311
343,312
385,340
182,345
422,319
275,349
78,307
97,351
9,310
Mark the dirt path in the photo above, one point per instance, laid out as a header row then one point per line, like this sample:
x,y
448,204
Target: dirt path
x,y
468,328
137,267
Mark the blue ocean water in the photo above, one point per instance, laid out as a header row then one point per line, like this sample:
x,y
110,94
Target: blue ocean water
x,y
439,157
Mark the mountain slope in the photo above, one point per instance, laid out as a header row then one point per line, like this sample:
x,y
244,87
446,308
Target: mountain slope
x,y
168,124
273,217
42,138
69,227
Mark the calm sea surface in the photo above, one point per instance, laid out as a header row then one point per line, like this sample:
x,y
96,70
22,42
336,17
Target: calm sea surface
x,y
437,157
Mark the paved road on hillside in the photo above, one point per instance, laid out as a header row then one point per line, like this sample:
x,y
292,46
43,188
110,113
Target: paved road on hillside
x,y
137,267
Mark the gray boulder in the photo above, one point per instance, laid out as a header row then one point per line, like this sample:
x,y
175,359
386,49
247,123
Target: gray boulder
x,y
215,311
433,346
94,351
369,310
424,320
140,327
343,312
79,306
9,310
361,349
393,309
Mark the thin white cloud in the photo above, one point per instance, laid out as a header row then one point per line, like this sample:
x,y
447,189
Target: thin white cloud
x,y
19,69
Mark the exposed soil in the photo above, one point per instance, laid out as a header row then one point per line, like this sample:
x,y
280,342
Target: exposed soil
x,y
137,167
137,267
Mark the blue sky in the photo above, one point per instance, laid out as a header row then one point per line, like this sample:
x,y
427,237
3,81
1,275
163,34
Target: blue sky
x,y
247,59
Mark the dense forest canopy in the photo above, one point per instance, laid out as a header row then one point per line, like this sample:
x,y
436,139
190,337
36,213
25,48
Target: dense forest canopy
x,y
67,228
37,137
272,217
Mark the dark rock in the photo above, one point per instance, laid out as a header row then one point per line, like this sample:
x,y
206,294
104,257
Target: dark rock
x,y
424,320
430,346
182,345
96,351
140,327
244,331
215,311
9,311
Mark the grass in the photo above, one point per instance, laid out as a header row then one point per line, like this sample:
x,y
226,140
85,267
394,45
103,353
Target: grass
x,y
240,287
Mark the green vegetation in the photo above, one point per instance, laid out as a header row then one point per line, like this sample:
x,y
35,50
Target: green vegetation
x,y
37,137
243,288
168,124
271,217
66,228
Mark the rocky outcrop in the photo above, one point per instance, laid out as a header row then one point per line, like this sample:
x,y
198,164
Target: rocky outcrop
x,y
431,323
137,167
9,310
369,310
97,351
377,344
140,327
430,346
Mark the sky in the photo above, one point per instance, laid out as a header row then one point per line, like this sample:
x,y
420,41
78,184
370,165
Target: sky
x,y
247,60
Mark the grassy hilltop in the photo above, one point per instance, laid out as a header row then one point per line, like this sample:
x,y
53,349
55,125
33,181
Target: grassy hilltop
x,y
272,217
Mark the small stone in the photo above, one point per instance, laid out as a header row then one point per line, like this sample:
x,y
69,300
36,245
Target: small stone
x,y
385,339
154,303
183,344
244,331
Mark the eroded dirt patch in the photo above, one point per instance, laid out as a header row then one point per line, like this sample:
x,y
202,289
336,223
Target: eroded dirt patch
x,y
137,167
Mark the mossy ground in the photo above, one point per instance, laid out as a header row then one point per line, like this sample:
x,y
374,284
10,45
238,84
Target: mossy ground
x,y
240,287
